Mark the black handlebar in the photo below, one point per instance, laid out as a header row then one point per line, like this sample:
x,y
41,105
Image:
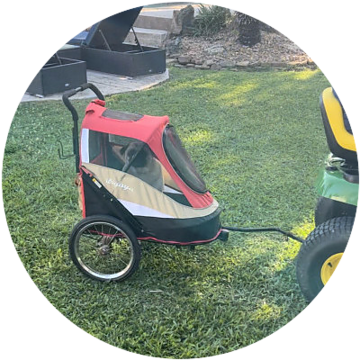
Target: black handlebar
x,y
68,94
83,87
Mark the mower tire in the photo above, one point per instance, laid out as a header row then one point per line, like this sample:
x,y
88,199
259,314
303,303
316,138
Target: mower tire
x,y
320,254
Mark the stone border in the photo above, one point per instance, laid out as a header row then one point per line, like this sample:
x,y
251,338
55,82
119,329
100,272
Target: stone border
x,y
186,62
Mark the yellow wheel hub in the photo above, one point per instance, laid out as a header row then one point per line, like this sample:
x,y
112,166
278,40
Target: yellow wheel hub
x,y
329,267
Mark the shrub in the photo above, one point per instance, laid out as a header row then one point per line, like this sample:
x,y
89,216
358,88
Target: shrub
x,y
210,20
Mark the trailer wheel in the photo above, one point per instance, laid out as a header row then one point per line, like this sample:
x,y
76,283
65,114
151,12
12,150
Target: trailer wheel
x,y
104,248
321,253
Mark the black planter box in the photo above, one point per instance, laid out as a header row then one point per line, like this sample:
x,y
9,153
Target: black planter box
x,y
57,75
127,60
104,49
70,52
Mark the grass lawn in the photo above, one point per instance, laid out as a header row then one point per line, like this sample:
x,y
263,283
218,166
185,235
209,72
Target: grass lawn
x,y
257,138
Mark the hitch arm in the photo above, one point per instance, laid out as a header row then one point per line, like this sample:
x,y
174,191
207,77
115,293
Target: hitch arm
x,y
269,229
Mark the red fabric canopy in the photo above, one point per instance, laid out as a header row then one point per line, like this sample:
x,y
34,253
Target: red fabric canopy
x,y
148,129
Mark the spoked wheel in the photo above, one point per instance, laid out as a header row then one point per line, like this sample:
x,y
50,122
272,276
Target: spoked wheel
x,y
321,253
104,248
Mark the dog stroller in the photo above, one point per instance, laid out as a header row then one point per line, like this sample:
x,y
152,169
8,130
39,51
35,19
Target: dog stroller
x,y
136,183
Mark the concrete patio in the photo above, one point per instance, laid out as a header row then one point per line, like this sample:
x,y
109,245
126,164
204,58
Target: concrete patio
x,y
108,84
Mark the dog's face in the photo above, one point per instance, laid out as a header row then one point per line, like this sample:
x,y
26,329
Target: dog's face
x,y
126,154
129,151
143,164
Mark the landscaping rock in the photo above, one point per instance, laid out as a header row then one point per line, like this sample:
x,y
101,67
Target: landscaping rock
x,y
216,49
197,61
183,21
202,67
227,63
215,67
243,63
209,62
183,60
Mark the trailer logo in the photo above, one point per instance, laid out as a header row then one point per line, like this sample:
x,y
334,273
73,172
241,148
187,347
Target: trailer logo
x,y
119,185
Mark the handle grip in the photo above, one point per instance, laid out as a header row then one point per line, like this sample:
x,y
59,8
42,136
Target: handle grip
x,y
69,93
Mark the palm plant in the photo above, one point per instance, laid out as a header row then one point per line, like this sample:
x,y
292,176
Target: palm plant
x,y
249,29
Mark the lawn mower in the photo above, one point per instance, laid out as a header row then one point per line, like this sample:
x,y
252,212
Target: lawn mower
x,y
136,183
338,186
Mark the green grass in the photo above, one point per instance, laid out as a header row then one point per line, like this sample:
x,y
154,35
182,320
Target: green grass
x,y
258,140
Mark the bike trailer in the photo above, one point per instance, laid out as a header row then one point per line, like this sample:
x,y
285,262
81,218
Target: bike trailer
x,y
138,162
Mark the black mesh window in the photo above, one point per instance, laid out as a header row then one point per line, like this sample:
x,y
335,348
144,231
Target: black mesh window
x,y
95,148
180,160
128,155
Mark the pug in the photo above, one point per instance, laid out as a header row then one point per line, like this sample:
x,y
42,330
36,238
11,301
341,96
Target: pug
x,y
143,165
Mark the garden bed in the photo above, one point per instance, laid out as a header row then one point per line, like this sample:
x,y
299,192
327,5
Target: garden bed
x,y
223,51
